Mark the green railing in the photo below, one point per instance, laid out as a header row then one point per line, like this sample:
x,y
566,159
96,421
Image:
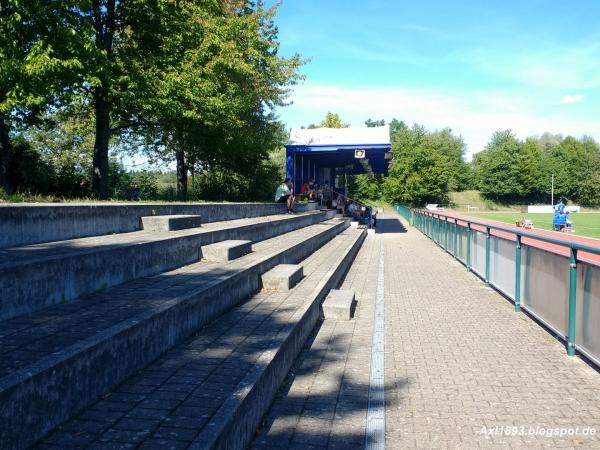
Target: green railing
x,y
445,231
405,212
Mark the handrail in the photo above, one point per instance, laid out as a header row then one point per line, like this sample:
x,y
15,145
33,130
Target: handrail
x,y
437,227
346,197
548,239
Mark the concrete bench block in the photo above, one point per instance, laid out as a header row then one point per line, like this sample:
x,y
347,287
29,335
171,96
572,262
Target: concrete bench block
x,y
354,224
283,277
339,304
225,250
170,223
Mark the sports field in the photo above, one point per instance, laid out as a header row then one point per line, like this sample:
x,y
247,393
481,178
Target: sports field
x,y
584,224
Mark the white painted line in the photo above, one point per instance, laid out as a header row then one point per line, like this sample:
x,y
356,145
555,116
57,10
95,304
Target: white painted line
x,y
375,436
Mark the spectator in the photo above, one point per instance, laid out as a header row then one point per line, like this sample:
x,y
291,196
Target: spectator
x,y
327,194
308,189
135,193
283,194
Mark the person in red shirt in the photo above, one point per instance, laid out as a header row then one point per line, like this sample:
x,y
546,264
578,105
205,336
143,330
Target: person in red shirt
x,y
309,190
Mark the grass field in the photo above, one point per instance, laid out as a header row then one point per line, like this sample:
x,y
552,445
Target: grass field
x,y
584,224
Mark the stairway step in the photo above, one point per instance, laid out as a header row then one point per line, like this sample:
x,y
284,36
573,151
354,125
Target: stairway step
x,y
170,223
36,276
58,360
339,304
282,277
225,250
32,223
211,391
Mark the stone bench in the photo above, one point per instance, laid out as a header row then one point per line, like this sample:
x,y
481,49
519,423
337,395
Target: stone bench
x,y
282,277
225,250
170,223
339,304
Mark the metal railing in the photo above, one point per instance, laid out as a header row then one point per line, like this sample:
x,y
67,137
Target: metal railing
x,y
368,218
547,276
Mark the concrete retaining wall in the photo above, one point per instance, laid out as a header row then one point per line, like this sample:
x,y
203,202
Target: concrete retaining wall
x,y
35,223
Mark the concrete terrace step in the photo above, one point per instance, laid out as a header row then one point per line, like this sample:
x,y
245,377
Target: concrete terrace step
x,y
170,223
30,223
35,276
58,360
211,391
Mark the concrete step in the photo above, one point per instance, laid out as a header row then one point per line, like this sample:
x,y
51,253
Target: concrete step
x,y
211,391
339,305
36,276
170,223
22,224
225,250
58,360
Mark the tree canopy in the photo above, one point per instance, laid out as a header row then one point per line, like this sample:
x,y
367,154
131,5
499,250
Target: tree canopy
x,y
190,82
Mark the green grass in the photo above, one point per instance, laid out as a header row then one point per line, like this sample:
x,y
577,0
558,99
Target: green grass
x,y
468,199
584,224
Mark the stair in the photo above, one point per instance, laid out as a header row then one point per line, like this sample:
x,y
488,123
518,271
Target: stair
x,y
211,390
35,276
59,359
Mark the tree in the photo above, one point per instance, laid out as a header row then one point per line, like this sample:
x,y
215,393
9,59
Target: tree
x,y
332,120
374,123
39,63
215,96
419,172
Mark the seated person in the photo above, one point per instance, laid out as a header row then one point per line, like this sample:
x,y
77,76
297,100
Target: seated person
x,y
283,194
308,189
561,221
338,203
354,210
327,194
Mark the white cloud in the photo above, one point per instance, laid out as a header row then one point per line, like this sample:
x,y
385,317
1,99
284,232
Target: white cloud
x,y
475,115
545,66
566,99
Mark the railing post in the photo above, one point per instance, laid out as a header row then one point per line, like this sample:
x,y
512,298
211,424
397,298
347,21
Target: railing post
x,y
455,243
446,233
468,246
572,302
518,275
459,239
487,256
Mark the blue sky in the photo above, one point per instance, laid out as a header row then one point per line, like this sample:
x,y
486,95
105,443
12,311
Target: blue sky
x,y
474,66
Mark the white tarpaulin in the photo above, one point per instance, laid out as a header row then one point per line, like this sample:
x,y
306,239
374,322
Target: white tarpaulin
x,y
340,136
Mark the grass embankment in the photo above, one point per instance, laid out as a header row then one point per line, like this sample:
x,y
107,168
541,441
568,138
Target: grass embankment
x,y
473,201
584,224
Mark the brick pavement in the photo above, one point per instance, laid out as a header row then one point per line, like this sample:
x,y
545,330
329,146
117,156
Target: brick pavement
x,y
323,403
459,361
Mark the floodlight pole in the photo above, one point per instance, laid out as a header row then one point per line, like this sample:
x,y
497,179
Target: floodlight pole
x,y
552,194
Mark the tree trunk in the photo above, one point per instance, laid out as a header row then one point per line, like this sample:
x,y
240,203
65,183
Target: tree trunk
x,y
181,174
5,153
103,20
100,161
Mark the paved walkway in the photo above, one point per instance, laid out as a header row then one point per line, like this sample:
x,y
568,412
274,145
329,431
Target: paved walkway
x,y
462,369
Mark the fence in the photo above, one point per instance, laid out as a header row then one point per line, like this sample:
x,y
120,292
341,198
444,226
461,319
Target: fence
x,y
555,280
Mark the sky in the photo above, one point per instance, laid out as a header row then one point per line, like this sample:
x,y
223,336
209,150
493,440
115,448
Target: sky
x,y
532,66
